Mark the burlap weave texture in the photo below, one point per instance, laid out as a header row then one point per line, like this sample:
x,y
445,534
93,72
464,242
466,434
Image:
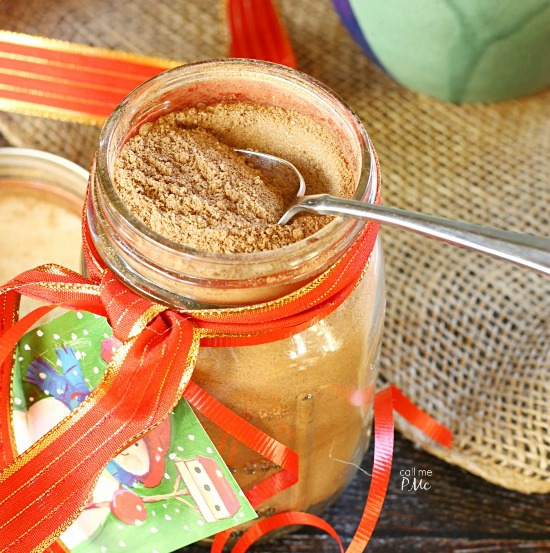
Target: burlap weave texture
x,y
467,337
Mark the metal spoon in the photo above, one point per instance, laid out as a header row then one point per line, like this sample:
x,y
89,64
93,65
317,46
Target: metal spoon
x,y
525,250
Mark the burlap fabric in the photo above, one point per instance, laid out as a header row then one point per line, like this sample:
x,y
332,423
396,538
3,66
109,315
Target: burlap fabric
x,y
467,337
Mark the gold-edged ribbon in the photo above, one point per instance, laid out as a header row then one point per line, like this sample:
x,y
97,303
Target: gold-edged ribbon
x,y
69,81
75,82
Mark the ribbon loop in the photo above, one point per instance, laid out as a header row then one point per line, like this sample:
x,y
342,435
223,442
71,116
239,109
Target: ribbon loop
x,y
128,313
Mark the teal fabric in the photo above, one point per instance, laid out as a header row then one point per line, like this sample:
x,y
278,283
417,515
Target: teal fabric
x,y
461,50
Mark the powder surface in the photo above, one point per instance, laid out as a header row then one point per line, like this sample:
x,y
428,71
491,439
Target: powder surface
x,y
181,176
36,229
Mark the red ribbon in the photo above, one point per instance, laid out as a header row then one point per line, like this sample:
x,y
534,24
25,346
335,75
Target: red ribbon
x,y
75,82
257,32
44,489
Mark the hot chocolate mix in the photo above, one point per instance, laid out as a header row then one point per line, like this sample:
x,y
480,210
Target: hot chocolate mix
x,y
181,176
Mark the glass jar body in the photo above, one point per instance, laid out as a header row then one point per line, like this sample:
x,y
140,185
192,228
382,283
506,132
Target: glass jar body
x,y
314,390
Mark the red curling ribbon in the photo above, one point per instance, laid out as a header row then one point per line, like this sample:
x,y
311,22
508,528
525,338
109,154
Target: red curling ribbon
x,y
415,416
280,521
385,402
254,438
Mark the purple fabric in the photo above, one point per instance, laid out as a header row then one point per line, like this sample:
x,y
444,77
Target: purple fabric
x,y
349,20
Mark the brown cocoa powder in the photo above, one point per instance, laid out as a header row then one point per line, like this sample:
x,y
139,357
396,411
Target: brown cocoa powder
x,y
181,176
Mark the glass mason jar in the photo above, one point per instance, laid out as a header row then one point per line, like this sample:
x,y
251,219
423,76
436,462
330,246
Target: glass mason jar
x,y
313,391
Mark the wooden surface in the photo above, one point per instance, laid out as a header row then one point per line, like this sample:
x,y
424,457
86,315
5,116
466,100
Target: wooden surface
x,y
460,513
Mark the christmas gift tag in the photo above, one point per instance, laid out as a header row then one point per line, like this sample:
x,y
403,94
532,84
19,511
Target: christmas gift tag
x,y
167,490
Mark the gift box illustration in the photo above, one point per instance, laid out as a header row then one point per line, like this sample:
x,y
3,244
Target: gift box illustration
x,y
209,488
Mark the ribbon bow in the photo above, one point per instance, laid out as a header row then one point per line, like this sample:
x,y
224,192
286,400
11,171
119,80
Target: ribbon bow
x,y
43,490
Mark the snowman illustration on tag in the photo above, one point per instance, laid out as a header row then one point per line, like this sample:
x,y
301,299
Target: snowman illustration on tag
x,y
199,482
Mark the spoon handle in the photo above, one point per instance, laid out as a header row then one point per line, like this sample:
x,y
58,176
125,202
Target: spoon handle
x,y
522,249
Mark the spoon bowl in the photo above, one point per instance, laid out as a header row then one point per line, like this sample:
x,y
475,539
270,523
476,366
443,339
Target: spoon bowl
x,y
521,249
281,173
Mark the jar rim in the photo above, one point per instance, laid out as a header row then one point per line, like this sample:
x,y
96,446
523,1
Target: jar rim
x,y
163,269
230,258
